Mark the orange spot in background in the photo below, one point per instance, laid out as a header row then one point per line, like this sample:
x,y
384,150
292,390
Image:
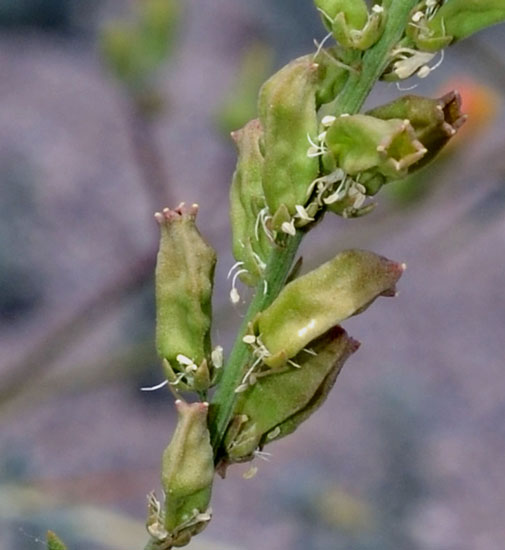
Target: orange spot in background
x,y
479,101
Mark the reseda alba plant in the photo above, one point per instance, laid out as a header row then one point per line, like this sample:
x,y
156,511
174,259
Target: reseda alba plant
x,y
309,152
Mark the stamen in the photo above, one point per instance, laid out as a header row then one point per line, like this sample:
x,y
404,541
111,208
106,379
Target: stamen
x,y
154,388
234,295
233,267
289,228
320,45
328,120
217,357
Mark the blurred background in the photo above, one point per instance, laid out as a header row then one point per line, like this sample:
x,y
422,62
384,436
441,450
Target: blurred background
x,y
408,451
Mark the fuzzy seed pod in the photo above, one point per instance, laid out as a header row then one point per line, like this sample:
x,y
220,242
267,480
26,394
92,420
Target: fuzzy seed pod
x,y
278,403
366,144
184,278
287,111
435,121
313,303
452,21
187,475
250,243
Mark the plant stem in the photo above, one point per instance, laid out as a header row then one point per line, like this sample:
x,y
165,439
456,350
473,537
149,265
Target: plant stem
x,y
279,264
278,267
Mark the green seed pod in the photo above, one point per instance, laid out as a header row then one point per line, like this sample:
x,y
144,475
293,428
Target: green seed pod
x,y
184,278
462,18
435,121
250,243
350,22
287,111
187,475
313,303
362,143
278,403
54,542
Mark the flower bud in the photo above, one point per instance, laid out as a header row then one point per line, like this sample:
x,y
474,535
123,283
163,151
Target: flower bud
x,y
362,143
351,24
187,475
279,402
184,278
313,303
287,111
249,241
435,121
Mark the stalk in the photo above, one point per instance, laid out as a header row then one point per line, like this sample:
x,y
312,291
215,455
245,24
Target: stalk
x,y
279,264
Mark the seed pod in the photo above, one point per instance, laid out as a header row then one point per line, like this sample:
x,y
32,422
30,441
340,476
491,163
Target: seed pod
x,y
351,24
158,22
187,475
249,240
455,20
435,121
287,111
365,144
188,466
184,278
278,403
311,304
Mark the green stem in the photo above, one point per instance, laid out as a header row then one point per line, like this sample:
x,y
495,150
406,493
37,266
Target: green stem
x,y
280,261
376,59
278,267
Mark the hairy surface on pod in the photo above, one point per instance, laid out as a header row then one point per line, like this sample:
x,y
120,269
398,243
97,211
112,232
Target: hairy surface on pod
x,y
363,143
435,121
287,111
249,242
277,404
184,274
310,305
188,466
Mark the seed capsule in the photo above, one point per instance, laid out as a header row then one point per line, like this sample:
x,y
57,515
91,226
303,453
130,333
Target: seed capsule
x,y
279,402
311,304
435,121
187,475
250,242
287,111
363,144
184,278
